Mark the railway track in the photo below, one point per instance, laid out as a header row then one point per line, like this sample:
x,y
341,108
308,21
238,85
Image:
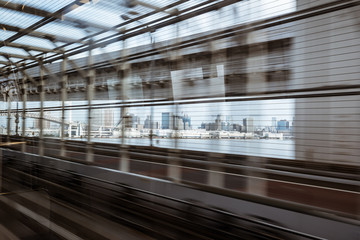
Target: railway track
x,y
334,187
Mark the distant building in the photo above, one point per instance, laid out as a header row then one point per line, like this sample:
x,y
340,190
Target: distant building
x,y
167,120
248,125
108,118
283,125
235,127
102,118
149,123
132,121
187,122
128,121
273,122
208,126
178,123
220,125
218,122
171,121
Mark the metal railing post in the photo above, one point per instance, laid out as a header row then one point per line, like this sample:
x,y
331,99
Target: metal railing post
x,y
90,95
24,99
41,119
63,99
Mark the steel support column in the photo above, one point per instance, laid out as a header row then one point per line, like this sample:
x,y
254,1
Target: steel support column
x,y
41,119
123,76
216,177
24,99
174,169
8,116
63,84
90,95
1,170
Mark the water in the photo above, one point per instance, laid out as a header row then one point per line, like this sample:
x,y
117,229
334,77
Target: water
x,y
255,147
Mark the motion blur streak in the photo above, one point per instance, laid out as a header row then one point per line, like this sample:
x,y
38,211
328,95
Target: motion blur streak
x,y
180,119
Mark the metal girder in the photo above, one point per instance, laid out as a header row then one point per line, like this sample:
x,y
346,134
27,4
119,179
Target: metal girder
x,y
121,26
42,35
163,23
34,48
118,37
151,6
12,55
68,8
41,13
82,73
30,31
43,67
22,8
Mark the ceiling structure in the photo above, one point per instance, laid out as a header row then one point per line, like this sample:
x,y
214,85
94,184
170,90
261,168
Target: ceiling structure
x,y
44,31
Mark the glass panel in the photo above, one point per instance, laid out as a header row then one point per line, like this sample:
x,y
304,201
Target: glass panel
x,y
19,19
47,5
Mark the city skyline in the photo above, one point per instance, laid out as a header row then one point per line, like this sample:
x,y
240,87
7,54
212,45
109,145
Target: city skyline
x,y
262,111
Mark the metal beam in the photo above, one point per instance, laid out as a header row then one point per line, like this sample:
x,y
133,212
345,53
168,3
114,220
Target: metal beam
x,y
50,37
123,75
41,13
29,48
117,38
27,76
13,55
121,26
8,125
151,6
24,100
49,73
63,84
68,8
239,29
22,8
90,96
82,73
41,118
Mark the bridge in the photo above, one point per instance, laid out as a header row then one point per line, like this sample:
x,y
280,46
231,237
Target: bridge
x,y
36,115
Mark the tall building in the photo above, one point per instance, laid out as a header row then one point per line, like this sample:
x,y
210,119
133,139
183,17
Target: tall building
x,y
102,118
218,122
167,120
283,125
149,123
248,125
187,122
235,127
108,120
132,121
96,119
273,122
178,123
